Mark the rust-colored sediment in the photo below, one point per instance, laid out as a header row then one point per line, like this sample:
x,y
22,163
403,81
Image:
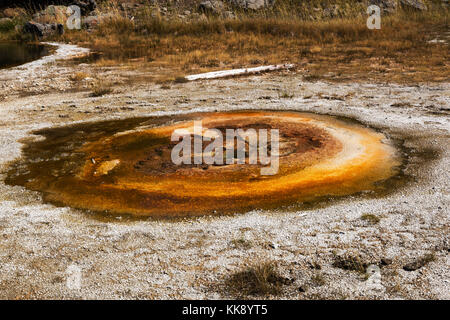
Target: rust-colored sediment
x,y
124,167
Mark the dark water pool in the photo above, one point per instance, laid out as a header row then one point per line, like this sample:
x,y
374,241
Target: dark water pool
x,y
14,53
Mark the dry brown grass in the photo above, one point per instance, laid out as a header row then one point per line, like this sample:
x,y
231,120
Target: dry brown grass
x,y
350,262
241,243
370,218
318,279
78,76
337,49
101,88
261,279
420,262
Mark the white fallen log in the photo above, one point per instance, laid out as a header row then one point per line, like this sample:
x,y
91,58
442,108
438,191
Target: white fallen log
x,y
238,72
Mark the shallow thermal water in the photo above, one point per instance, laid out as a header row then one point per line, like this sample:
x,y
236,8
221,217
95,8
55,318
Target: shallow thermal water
x,y
13,53
125,166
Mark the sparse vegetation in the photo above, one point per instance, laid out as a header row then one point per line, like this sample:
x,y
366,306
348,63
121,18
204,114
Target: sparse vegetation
x,y
318,280
181,80
350,262
6,25
78,76
329,39
257,280
333,47
315,265
101,88
286,95
370,218
241,243
420,262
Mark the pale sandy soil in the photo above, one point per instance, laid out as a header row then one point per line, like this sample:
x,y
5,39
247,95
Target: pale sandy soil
x,y
191,258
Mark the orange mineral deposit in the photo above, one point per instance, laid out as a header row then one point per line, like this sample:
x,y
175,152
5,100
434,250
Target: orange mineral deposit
x,y
125,166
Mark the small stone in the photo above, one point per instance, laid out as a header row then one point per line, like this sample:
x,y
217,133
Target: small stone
x,y
419,262
273,245
106,167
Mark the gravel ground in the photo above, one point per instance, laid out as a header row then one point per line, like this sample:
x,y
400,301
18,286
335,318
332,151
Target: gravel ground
x,y
40,244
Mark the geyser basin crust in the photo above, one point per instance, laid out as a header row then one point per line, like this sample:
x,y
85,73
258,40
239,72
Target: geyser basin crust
x,y
124,166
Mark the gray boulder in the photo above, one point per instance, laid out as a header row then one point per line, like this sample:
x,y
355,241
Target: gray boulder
x,y
86,6
51,14
413,4
211,6
252,4
40,30
386,6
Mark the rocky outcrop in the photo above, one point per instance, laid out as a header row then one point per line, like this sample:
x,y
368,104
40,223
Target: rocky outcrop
x,y
390,6
86,6
40,30
211,6
52,14
252,4
413,4
59,15
386,6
